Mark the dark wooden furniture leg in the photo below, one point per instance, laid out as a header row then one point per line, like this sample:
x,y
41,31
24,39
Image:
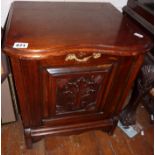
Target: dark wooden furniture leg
x,y
143,85
28,138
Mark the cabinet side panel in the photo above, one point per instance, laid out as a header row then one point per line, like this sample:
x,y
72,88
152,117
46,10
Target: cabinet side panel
x,y
123,82
116,87
32,86
136,64
19,85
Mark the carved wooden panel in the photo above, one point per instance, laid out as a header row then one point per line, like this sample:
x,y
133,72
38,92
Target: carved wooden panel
x,y
78,93
74,89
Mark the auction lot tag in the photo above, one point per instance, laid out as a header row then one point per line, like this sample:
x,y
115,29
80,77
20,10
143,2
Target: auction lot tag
x,y
20,45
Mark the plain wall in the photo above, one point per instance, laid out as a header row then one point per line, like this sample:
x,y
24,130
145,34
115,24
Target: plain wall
x,y
5,5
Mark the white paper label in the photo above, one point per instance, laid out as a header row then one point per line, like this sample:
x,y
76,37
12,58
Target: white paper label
x,y
20,45
138,35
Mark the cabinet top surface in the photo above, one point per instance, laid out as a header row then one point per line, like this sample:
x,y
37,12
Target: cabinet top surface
x,y
57,27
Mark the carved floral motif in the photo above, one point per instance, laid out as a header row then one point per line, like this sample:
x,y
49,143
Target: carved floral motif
x,y
79,93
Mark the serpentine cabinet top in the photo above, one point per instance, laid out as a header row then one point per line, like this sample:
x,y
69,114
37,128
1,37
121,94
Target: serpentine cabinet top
x,y
56,28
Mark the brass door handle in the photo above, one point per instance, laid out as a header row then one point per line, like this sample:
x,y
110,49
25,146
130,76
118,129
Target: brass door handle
x,y
85,59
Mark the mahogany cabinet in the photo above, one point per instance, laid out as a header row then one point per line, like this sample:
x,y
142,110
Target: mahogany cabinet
x,y
73,65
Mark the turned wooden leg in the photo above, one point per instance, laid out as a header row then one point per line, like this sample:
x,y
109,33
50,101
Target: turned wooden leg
x,y
28,138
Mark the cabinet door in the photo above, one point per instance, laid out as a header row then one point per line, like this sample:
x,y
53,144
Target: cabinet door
x,y
75,90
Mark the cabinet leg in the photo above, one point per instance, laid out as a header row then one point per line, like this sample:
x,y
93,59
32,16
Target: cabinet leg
x,y
28,142
115,121
110,131
28,138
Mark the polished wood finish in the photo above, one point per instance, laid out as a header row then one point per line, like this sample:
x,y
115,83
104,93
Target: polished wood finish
x,y
78,68
70,26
